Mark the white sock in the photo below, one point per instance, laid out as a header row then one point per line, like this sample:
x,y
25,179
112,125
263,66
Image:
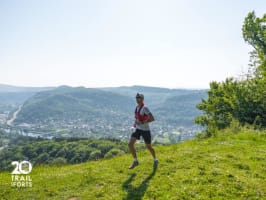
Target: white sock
x,y
135,159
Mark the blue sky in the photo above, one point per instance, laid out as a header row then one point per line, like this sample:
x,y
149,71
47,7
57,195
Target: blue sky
x,y
169,43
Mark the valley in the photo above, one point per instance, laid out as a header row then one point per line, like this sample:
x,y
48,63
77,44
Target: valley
x,y
105,113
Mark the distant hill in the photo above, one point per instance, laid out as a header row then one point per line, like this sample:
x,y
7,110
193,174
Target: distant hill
x,y
67,103
14,95
174,106
14,98
103,112
180,109
154,96
10,88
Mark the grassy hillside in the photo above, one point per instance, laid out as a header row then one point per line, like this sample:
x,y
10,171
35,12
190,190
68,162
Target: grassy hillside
x,y
227,167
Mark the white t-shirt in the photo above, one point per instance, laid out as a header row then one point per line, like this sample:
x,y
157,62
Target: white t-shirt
x,y
144,110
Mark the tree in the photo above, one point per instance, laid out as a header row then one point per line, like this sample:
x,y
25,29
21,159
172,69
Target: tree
x,y
42,158
254,33
59,161
218,108
95,155
243,100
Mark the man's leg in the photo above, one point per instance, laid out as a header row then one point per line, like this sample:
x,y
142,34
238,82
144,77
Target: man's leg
x,y
133,152
149,147
147,139
131,146
155,163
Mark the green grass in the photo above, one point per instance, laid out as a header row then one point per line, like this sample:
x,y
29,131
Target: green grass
x,y
225,167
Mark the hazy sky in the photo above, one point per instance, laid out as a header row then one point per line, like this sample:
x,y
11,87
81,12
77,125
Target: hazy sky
x,y
167,43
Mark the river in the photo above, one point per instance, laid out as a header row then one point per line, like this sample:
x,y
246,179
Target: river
x,y
9,122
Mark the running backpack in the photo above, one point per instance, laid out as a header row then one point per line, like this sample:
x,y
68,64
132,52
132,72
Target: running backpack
x,y
140,117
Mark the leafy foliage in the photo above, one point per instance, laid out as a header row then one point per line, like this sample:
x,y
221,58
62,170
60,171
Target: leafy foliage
x,y
59,151
241,99
254,32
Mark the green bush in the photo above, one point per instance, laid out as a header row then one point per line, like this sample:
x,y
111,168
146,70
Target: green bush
x,y
95,155
59,161
57,151
114,152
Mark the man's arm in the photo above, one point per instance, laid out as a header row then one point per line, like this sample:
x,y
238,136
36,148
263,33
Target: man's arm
x,y
148,112
151,118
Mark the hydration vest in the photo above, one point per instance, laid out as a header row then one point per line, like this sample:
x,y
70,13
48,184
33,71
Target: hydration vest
x,y
140,117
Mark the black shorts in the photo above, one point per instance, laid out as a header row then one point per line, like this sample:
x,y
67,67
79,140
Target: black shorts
x,y
145,134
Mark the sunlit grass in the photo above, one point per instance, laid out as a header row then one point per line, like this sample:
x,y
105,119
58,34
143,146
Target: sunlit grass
x,y
224,167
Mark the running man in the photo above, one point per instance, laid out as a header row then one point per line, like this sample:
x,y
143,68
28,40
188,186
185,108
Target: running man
x,y
143,117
